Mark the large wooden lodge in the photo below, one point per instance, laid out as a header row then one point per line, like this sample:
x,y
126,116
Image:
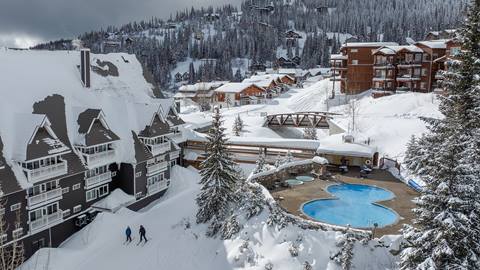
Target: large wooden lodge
x,y
388,67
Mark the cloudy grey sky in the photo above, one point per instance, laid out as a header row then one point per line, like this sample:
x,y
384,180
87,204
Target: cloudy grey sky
x,y
26,22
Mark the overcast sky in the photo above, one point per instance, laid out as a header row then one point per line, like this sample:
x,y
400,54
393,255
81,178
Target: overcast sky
x,y
26,22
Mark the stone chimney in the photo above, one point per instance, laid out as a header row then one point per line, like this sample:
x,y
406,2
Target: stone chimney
x,y
85,67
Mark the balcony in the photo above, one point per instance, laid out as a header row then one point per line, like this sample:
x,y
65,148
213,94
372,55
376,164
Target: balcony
x,y
381,79
409,64
157,168
46,221
157,187
174,154
43,198
100,158
408,78
46,172
157,149
98,180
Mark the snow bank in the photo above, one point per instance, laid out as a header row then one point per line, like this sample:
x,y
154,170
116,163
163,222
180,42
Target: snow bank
x,y
116,199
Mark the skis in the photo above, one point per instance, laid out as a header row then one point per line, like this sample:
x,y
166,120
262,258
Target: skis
x,y
126,243
142,243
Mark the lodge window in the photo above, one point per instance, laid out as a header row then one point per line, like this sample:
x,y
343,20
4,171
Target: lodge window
x,y
66,213
416,72
77,208
41,163
96,171
43,211
45,187
15,207
156,178
17,233
40,243
138,174
354,50
76,186
91,195
418,57
354,62
102,191
423,85
65,190
138,195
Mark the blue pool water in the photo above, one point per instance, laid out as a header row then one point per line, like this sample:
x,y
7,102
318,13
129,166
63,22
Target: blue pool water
x,y
353,207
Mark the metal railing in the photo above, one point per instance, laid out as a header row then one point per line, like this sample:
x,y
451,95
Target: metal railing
x,y
46,172
54,194
46,220
157,187
156,168
160,148
98,179
100,158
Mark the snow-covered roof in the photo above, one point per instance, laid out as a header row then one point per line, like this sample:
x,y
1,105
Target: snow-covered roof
x,y
434,44
368,44
334,145
114,201
234,87
338,57
201,86
392,50
31,76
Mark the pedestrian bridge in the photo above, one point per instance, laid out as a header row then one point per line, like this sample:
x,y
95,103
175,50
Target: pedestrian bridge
x,y
300,119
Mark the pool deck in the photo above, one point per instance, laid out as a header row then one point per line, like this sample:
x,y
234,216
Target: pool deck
x,y
293,198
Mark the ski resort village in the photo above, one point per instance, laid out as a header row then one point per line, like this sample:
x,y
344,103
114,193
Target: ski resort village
x,y
272,135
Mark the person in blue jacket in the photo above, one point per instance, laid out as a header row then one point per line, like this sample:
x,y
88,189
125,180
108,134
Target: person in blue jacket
x,y
128,233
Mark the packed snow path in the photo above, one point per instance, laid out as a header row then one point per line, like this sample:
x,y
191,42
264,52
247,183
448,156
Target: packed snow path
x,y
176,242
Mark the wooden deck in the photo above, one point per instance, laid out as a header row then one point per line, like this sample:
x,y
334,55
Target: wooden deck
x,y
293,198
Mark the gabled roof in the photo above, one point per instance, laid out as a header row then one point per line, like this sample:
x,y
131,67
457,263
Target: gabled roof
x,y
205,86
392,50
173,118
235,87
338,57
93,128
435,44
35,138
158,126
368,44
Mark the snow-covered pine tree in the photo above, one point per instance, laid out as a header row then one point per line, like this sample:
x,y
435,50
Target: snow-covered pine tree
x,y
237,125
218,178
288,157
260,163
310,133
446,232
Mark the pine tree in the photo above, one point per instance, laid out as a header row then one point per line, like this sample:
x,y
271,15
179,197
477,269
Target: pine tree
x,y
260,163
310,133
447,228
237,126
218,179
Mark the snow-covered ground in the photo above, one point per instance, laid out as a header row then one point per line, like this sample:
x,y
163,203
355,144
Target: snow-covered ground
x,y
388,122
176,242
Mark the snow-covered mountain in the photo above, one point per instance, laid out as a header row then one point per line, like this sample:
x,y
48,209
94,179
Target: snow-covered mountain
x,y
258,32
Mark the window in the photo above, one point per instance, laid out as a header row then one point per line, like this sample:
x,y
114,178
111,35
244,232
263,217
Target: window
x,y
102,191
38,189
77,208
15,207
90,195
65,190
454,51
138,195
354,50
354,62
173,163
17,233
423,85
76,186
138,174
40,243
424,72
3,238
416,72
114,174
66,213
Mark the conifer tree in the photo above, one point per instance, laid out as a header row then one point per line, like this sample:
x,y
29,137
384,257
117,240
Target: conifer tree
x,y
237,126
310,133
446,232
260,163
218,178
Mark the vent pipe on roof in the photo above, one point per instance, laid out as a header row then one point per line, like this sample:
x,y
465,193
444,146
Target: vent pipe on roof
x,y
85,67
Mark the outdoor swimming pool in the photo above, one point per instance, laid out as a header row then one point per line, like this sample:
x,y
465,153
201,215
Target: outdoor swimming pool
x,y
354,206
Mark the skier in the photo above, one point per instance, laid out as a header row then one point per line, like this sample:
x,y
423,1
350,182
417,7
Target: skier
x,y
142,234
128,233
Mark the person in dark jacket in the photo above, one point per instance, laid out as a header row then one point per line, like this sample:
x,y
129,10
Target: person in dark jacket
x,y
142,233
128,233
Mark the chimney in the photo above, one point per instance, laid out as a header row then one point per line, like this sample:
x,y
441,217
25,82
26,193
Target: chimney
x,y
85,67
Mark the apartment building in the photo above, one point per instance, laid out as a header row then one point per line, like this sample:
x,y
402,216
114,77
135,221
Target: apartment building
x,y
75,134
354,65
391,68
